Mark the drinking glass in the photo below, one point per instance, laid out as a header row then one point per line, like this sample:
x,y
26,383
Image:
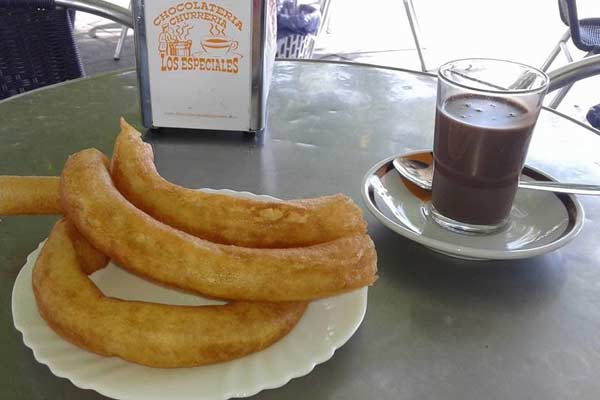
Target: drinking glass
x,y
485,115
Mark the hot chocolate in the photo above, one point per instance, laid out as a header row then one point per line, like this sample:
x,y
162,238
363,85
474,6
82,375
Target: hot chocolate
x,y
479,150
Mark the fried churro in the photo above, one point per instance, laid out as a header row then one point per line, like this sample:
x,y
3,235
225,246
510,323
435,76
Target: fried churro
x,y
29,195
156,335
227,219
150,248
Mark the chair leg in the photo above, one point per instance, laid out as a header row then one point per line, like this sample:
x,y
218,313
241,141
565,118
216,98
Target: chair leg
x,y
565,49
324,20
559,46
412,20
122,37
92,33
560,96
120,43
563,92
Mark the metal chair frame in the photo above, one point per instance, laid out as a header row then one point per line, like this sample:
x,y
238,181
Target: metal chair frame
x,y
573,72
101,8
568,14
415,29
122,37
567,75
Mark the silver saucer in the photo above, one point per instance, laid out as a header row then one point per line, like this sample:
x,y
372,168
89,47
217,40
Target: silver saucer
x,y
540,222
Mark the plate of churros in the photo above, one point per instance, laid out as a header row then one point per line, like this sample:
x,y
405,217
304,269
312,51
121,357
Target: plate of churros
x,y
147,290
325,326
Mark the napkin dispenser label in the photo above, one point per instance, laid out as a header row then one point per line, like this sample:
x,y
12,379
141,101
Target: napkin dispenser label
x,y
205,64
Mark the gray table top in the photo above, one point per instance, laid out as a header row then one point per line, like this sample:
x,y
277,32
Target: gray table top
x,y
435,327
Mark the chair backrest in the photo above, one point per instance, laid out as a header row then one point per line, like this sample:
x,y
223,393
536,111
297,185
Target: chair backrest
x,y
568,14
37,47
564,13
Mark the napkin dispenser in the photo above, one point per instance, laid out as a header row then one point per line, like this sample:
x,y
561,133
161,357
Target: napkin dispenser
x,y
205,64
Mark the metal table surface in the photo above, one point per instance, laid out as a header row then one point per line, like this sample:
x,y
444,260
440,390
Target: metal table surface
x,y
435,327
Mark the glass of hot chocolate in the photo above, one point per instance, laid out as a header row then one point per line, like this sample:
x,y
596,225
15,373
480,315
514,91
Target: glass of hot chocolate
x,y
486,112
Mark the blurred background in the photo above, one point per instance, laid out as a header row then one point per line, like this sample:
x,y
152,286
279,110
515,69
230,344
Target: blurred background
x,y
378,32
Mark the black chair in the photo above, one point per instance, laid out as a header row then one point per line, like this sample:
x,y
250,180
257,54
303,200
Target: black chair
x,y
585,35
37,47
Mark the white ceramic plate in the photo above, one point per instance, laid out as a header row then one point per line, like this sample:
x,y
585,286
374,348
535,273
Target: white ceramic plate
x,y
326,326
540,221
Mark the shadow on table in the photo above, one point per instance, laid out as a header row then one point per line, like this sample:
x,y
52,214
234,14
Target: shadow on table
x,y
450,301
187,136
415,266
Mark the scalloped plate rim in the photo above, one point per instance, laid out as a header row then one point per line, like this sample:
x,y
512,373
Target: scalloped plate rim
x,y
235,392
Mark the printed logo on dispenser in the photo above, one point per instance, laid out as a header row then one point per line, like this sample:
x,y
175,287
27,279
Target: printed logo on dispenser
x,y
198,36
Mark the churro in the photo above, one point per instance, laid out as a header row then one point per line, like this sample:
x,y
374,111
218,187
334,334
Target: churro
x,y
29,195
150,248
227,219
156,335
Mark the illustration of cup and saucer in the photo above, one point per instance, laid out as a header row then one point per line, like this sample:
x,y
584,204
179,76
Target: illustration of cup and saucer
x,y
218,46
